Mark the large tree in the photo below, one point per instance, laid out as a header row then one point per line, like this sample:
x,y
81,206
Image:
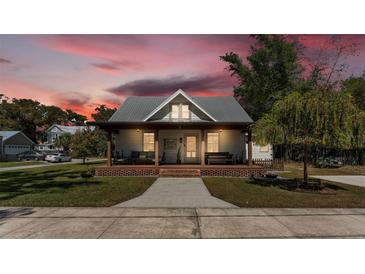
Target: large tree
x,y
75,118
314,118
32,117
103,113
356,87
22,114
271,72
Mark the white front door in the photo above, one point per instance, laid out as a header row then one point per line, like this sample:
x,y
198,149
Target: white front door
x,y
191,151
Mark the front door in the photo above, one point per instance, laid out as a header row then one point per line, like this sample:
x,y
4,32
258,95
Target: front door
x,y
191,152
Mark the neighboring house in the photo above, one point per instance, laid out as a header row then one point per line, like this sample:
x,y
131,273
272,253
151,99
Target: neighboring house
x,y
182,129
12,143
56,131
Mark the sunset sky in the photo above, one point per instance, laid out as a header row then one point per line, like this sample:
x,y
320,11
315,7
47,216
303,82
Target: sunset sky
x,y
82,71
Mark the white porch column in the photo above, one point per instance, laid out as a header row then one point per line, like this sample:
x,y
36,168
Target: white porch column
x,y
202,148
249,147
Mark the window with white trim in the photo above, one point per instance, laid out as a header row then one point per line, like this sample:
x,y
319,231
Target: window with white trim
x,y
180,111
148,141
175,112
191,146
185,113
212,142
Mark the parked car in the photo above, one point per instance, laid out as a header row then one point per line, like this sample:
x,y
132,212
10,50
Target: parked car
x,y
30,155
57,158
328,162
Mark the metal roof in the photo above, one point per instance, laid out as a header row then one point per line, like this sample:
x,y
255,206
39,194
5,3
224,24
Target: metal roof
x,y
70,129
7,134
222,108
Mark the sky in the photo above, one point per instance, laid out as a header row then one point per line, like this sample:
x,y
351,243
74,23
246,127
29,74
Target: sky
x,y
80,72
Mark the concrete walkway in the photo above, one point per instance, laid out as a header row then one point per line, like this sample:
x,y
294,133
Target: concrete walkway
x,y
46,164
175,193
92,223
348,179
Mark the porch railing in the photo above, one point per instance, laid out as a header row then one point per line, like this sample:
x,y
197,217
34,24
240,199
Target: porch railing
x,y
276,164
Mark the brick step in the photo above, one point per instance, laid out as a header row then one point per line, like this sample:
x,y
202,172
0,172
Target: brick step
x,y
179,172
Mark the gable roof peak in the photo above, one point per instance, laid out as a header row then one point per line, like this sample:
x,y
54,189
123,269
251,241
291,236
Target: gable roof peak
x,y
170,98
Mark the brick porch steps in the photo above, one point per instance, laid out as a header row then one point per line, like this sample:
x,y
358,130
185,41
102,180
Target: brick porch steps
x,y
179,172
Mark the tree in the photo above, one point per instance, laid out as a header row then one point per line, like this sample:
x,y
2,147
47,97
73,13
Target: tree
x,y
272,72
22,114
32,117
64,142
103,113
53,115
313,118
88,143
326,69
356,87
75,118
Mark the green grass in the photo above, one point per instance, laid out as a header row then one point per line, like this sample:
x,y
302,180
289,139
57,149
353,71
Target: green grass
x,y
20,163
62,186
295,170
244,193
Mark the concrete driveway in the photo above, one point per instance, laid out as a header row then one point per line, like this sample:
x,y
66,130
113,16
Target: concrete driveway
x,y
177,192
348,179
121,223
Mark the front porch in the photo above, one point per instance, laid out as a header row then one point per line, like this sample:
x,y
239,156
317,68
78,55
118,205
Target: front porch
x,y
170,149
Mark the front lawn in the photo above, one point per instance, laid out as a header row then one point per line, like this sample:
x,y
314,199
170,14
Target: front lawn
x,y
245,193
62,186
21,163
295,170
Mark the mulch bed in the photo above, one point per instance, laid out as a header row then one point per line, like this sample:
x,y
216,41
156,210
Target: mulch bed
x,y
315,186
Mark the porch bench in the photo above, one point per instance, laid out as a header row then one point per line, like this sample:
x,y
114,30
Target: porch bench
x,y
142,157
218,157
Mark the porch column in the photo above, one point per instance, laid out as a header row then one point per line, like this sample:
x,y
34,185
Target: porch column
x,y
157,157
249,147
202,148
109,148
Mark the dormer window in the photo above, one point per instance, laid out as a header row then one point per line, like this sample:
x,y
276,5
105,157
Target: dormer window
x,y
185,114
180,111
175,112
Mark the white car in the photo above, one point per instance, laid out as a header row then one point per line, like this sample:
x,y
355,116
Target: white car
x,y
57,158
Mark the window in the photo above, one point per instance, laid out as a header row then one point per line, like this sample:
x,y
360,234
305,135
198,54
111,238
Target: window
x,y
264,148
148,142
175,112
185,114
180,112
191,146
212,142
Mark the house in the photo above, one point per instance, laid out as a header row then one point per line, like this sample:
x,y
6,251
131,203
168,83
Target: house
x,y
179,131
12,143
55,131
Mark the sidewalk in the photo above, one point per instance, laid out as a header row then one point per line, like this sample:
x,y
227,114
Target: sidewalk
x,y
177,193
115,222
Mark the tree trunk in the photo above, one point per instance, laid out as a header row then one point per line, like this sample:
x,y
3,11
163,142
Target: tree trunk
x,y
305,160
83,160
